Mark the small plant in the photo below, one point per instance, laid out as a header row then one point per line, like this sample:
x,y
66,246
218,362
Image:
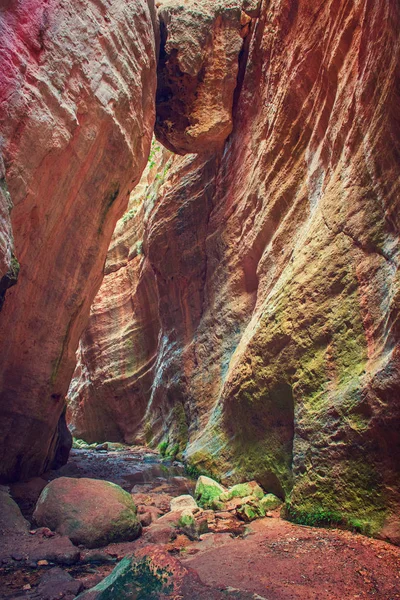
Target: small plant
x,y
186,521
154,149
162,447
130,214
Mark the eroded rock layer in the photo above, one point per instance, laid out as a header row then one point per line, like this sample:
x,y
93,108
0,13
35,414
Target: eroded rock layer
x,y
77,87
276,268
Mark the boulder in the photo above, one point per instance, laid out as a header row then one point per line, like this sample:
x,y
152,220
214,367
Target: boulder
x,y
183,503
241,490
192,526
270,502
250,511
57,583
194,94
207,490
89,511
11,519
153,574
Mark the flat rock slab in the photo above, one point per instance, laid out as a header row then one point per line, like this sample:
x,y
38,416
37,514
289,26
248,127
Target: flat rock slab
x,y
153,574
17,550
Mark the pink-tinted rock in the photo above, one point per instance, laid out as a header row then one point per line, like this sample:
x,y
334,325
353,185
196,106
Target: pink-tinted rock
x,y
9,266
77,88
111,386
89,511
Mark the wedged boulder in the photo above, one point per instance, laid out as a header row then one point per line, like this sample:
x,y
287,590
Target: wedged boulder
x,y
207,491
26,494
89,511
197,74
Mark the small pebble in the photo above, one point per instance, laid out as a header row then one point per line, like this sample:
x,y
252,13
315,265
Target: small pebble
x,y
17,557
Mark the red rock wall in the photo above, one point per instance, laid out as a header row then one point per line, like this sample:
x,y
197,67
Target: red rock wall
x,y
77,87
276,265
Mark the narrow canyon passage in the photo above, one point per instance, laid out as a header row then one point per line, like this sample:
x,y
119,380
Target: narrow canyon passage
x,y
199,250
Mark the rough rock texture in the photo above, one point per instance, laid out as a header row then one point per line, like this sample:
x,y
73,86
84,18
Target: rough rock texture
x,y
153,574
197,71
9,266
116,357
77,87
276,267
89,511
11,519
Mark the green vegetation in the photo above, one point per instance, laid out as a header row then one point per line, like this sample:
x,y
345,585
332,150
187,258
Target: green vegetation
x,y
166,451
270,502
207,491
162,447
186,520
241,490
130,214
320,517
155,147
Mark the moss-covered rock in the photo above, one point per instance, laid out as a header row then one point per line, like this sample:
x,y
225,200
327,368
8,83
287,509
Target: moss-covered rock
x,y
207,490
131,578
241,490
270,502
188,526
250,511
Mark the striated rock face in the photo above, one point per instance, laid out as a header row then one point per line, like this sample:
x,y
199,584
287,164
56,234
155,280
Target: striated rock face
x,y
9,266
276,268
197,71
77,88
116,357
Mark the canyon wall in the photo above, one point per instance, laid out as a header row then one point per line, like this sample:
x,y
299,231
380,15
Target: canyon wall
x,y
77,98
274,265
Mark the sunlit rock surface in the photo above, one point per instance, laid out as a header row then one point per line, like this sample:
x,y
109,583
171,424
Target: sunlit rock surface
x,y
276,268
77,88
